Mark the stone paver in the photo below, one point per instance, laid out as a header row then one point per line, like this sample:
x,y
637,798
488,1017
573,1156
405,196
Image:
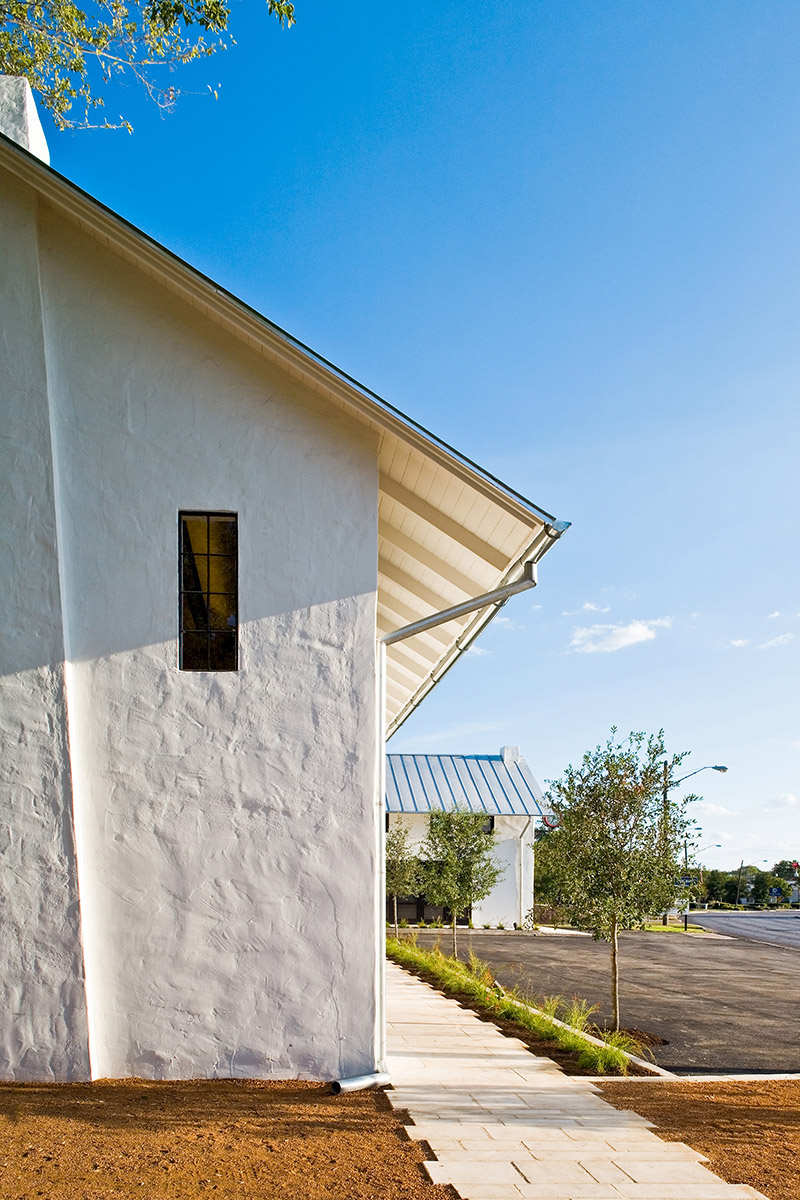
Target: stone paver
x,y
507,1125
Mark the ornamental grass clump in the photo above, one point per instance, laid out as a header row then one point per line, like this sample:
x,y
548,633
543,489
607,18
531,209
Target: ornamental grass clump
x,y
474,982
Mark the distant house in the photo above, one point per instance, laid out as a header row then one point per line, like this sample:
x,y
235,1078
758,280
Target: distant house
x,y
208,530
500,787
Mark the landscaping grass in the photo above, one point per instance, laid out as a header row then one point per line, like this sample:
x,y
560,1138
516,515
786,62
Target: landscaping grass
x,y
673,928
473,983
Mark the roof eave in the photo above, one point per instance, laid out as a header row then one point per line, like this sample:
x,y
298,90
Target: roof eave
x,y
278,345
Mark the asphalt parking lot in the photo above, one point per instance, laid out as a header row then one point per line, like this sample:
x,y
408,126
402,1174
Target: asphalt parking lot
x,y
780,928
721,1004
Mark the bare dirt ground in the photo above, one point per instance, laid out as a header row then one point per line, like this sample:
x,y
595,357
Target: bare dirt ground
x,y
180,1141
275,1141
750,1129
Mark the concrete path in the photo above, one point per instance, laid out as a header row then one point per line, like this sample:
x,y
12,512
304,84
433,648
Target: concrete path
x,y
507,1125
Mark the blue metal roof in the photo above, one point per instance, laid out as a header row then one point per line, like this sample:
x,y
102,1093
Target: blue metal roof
x,y
495,784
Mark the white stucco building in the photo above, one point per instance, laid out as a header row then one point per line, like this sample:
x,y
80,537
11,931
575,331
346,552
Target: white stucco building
x,y
207,530
502,788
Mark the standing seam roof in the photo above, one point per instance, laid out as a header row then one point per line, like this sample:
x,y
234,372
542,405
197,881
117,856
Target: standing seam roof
x,y
482,783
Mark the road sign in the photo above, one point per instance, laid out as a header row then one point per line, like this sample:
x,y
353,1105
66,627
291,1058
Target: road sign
x,y
775,891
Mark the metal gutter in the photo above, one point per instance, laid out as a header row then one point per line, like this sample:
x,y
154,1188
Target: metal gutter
x,y
498,596
534,553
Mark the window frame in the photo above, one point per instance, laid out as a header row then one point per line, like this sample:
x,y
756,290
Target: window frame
x,y
204,593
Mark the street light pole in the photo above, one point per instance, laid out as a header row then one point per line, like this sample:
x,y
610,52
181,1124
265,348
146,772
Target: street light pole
x,y
665,819
716,846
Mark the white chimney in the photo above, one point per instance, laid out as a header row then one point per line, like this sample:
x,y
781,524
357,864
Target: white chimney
x,y
19,119
509,754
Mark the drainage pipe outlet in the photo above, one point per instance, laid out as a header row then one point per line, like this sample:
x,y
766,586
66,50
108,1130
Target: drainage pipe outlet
x,y
359,1082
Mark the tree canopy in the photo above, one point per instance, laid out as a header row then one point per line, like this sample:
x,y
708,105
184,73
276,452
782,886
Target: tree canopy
x,y
614,856
402,866
70,54
460,868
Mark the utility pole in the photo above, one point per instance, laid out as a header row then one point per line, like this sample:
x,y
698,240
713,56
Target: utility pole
x,y
739,881
665,826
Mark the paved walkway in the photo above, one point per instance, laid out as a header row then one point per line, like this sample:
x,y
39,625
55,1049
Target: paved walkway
x,y
507,1125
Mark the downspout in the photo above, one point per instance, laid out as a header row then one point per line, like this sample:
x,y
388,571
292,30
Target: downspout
x,y
358,1083
522,872
498,596
380,899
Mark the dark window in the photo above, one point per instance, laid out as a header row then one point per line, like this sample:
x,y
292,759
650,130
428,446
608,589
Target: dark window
x,y
488,825
208,614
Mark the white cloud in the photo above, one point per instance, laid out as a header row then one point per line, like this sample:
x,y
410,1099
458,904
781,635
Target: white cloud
x,y
714,810
507,623
740,641
604,639
772,616
587,607
478,652
780,640
784,802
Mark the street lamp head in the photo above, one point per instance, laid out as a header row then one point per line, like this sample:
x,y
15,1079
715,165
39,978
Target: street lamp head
x,y
723,769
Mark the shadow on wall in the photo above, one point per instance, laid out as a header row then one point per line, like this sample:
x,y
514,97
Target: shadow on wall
x,y
156,410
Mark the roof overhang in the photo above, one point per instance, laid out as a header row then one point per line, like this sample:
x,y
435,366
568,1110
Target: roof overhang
x,y
448,530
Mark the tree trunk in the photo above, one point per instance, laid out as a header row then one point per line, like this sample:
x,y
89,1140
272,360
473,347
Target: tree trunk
x,y
455,939
615,974
396,930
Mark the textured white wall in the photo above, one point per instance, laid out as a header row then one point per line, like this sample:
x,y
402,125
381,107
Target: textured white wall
x,y
502,904
224,822
42,1009
19,119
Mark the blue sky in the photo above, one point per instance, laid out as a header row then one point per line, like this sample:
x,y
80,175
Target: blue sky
x,y
564,236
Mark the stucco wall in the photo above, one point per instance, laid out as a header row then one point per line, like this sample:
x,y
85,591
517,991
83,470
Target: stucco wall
x,y
502,905
224,822
43,1030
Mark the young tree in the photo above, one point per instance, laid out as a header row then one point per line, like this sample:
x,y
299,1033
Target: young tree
x,y
546,880
619,839
402,867
460,868
715,881
65,51
763,881
731,888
